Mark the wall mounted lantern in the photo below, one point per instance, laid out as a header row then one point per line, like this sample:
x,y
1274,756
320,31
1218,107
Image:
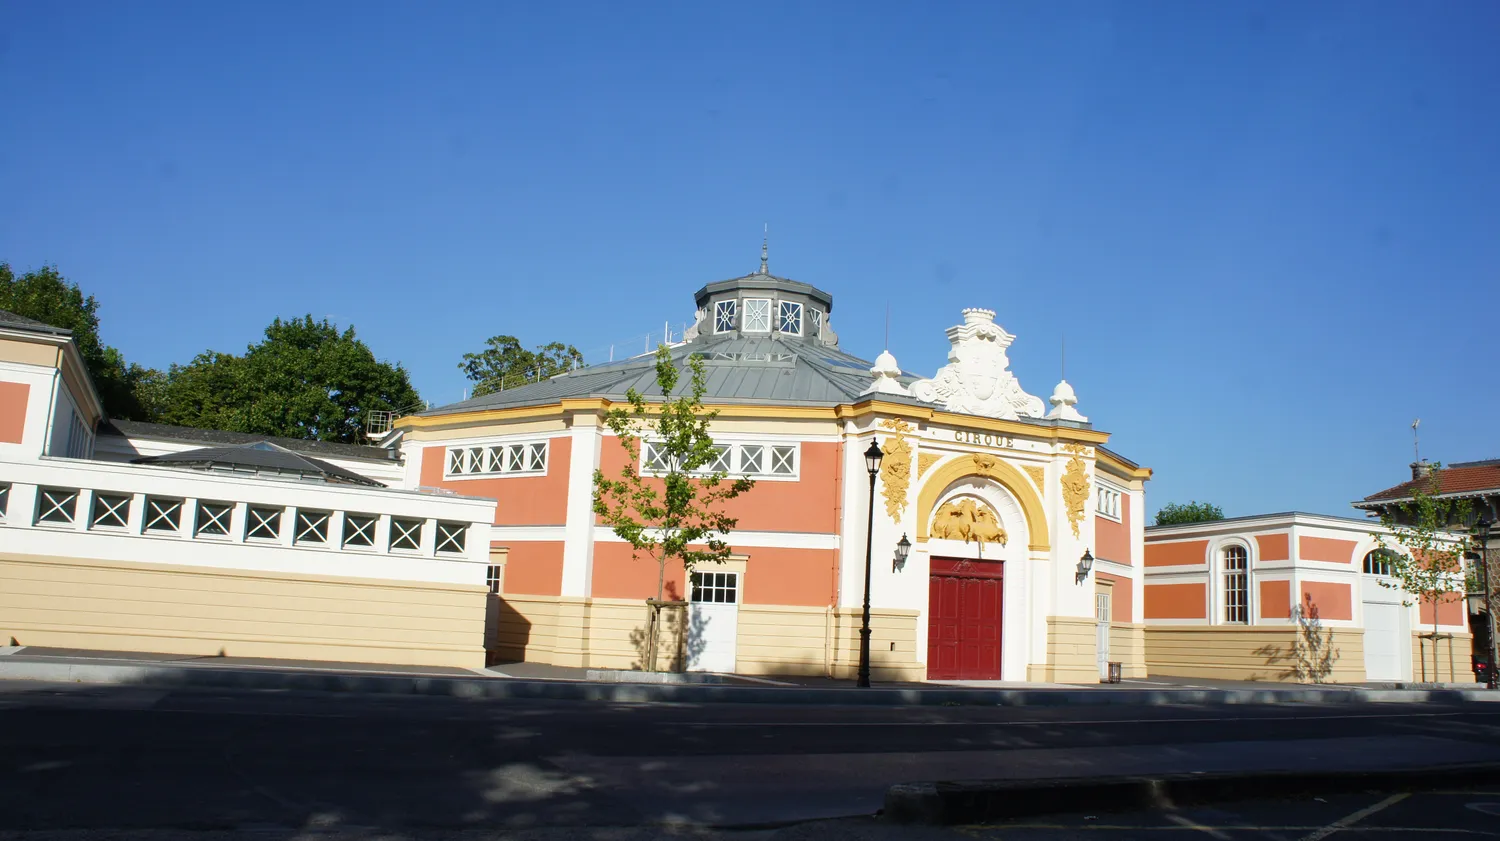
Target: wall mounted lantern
x,y
1085,564
903,548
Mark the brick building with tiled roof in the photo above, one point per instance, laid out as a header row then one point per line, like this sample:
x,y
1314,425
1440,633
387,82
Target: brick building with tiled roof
x,y
1477,481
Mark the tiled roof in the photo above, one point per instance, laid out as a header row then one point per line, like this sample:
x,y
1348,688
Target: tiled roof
x,y
11,321
1465,478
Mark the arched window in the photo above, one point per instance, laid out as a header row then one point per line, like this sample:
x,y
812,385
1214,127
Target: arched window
x,y
1378,562
1236,585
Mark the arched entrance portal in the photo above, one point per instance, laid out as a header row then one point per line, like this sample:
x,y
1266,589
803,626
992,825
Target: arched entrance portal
x,y
966,586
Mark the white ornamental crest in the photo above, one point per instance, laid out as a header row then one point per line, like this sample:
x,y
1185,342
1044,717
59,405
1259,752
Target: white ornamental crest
x,y
976,380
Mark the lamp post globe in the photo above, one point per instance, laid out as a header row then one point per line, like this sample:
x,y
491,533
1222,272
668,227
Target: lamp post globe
x,y
872,463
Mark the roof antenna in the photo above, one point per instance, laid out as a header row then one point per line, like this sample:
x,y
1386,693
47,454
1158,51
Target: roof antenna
x,y
764,243
1416,444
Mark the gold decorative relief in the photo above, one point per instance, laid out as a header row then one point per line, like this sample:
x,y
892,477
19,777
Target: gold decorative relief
x,y
967,520
1038,475
895,468
926,460
1075,485
984,464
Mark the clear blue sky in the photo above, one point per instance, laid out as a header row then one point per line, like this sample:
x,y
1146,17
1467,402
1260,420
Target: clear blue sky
x,y
1268,230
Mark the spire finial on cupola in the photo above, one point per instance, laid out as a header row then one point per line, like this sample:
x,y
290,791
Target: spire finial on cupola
x,y
765,242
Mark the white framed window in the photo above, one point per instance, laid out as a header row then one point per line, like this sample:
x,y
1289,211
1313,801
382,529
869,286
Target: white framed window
x,y
111,511
1380,562
757,315
735,459
1107,502
724,312
4,500
1236,574
163,516
815,323
716,587
359,530
783,460
262,523
450,537
213,519
721,461
1102,607
492,578
312,527
56,506
406,535
656,458
752,458
789,317
498,460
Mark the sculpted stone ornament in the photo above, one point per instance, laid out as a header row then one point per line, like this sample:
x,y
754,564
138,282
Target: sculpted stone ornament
x,y
1075,485
926,460
895,468
968,520
977,379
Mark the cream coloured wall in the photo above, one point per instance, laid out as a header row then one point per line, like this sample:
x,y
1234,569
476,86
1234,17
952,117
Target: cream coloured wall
x,y
1256,653
117,606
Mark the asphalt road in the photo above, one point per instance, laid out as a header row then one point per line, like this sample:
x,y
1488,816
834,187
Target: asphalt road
x,y
113,760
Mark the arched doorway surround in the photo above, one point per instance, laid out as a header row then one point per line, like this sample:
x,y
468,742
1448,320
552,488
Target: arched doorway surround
x,y
976,527
989,467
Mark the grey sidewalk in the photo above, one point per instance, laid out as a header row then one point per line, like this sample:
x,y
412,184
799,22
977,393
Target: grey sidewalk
x,y
167,671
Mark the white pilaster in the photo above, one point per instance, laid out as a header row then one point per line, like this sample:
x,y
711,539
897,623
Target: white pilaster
x,y
585,439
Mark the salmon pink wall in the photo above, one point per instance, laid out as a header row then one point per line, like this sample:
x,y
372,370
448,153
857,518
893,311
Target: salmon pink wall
x,y
1450,610
1174,554
1176,601
1274,547
1114,538
1325,549
1122,598
809,504
790,576
13,412
1275,599
522,500
772,576
1332,601
534,567
617,575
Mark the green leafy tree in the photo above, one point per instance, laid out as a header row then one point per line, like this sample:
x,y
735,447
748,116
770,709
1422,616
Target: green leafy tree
x,y
306,379
505,364
671,510
1429,561
46,296
1177,513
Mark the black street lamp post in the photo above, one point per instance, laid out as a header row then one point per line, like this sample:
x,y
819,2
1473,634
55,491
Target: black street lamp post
x,y
1482,531
872,463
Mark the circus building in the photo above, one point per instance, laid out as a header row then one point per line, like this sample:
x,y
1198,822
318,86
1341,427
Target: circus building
x,y
1025,532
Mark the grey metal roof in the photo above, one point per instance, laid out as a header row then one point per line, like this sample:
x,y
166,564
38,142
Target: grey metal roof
x,y
260,457
741,369
11,321
167,432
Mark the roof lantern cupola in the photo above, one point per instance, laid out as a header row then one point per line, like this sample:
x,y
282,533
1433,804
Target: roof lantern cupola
x,y
763,306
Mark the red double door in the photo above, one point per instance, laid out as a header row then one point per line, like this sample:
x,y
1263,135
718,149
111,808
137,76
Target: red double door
x,y
963,624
